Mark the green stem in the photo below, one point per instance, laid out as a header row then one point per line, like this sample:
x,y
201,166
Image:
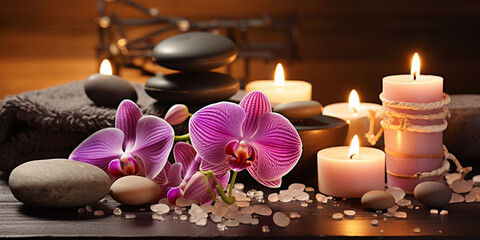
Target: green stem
x,y
184,137
220,191
232,181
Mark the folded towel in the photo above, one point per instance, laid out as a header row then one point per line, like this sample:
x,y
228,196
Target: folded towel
x,y
50,123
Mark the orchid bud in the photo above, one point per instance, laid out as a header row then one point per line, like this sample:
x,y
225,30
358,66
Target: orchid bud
x,y
197,186
177,114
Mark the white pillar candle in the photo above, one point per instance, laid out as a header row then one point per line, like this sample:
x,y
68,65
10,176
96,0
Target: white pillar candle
x,y
281,90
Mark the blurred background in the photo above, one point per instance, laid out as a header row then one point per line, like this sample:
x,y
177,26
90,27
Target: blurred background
x,y
339,44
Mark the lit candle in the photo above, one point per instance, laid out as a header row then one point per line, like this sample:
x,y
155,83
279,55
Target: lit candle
x,y
350,171
356,114
409,152
108,90
281,90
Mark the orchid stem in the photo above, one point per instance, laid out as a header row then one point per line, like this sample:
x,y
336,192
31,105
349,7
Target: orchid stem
x,y
232,181
184,137
212,194
230,199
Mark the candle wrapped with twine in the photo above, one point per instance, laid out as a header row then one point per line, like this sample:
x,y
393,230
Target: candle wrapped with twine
x,y
400,116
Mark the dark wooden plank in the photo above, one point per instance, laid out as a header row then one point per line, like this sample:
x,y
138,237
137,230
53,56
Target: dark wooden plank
x,y
18,220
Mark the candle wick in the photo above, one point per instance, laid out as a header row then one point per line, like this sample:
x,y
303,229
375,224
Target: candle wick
x,y
414,76
351,156
355,110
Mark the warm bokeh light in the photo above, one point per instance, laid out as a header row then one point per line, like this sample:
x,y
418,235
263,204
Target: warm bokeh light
x,y
415,70
353,101
354,147
106,67
279,76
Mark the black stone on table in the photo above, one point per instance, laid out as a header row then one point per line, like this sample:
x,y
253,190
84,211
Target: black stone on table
x,y
108,90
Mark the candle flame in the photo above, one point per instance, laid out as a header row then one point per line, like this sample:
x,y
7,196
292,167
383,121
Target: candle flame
x,y
106,67
415,70
353,101
354,147
279,76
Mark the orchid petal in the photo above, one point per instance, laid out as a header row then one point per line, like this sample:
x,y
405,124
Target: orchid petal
x,y
218,169
253,172
126,120
255,104
278,146
154,139
212,127
100,148
173,194
196,187
171,177
115,169
162,177
174,175
193,168
184,153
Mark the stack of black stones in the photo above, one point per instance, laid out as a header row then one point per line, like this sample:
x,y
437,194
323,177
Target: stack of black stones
x,y
194,55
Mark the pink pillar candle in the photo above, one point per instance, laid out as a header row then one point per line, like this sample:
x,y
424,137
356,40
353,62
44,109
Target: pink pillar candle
x,y
340,176
410,152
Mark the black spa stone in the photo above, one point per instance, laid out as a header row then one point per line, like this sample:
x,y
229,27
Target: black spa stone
x,y
195,52
108,90
192,88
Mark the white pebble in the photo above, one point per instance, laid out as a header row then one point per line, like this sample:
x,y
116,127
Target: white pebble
x,y
207,208
303,204
476,180
337,216
265,229
392,209
183,217
400,214
242,204
457,198
461,186
247,210
215,218
374,222
160,208
231,223
280,219
244,219
117,211
321,198
239,186
443,212
404,202
221,226
89,208
396,192
98,213
156,217
349,213
81,210
294,215
297,186
263,210
416,230
309,201
130,216
273,197
309,189
255,221
433,211
201,222
302,196
285,198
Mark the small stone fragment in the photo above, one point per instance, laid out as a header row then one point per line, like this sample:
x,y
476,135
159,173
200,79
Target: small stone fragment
x,y
239,186
471,197
321,198
297,186
183,217
265,229
404,202
294,215
374,222
130,216
450,178
388,214
337,216
247,210
309,189
201,222
207,208
392,209
157,217
303,204
81,210
221,227
416,230
309,201
476,180
182,202
349,213
443,212
255,221
461,186
231,223
160,208
433,211
215,218
242,204
384,219
457,198
400,214
302,196
273,197
89,208
244,219
117,211
280,219
263,210
396,192
98,213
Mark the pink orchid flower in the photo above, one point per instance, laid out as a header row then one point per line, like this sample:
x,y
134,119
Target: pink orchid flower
x,y
138,145
183,179
247,136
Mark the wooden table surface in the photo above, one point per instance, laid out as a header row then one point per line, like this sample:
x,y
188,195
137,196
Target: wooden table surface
x,y
20,221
